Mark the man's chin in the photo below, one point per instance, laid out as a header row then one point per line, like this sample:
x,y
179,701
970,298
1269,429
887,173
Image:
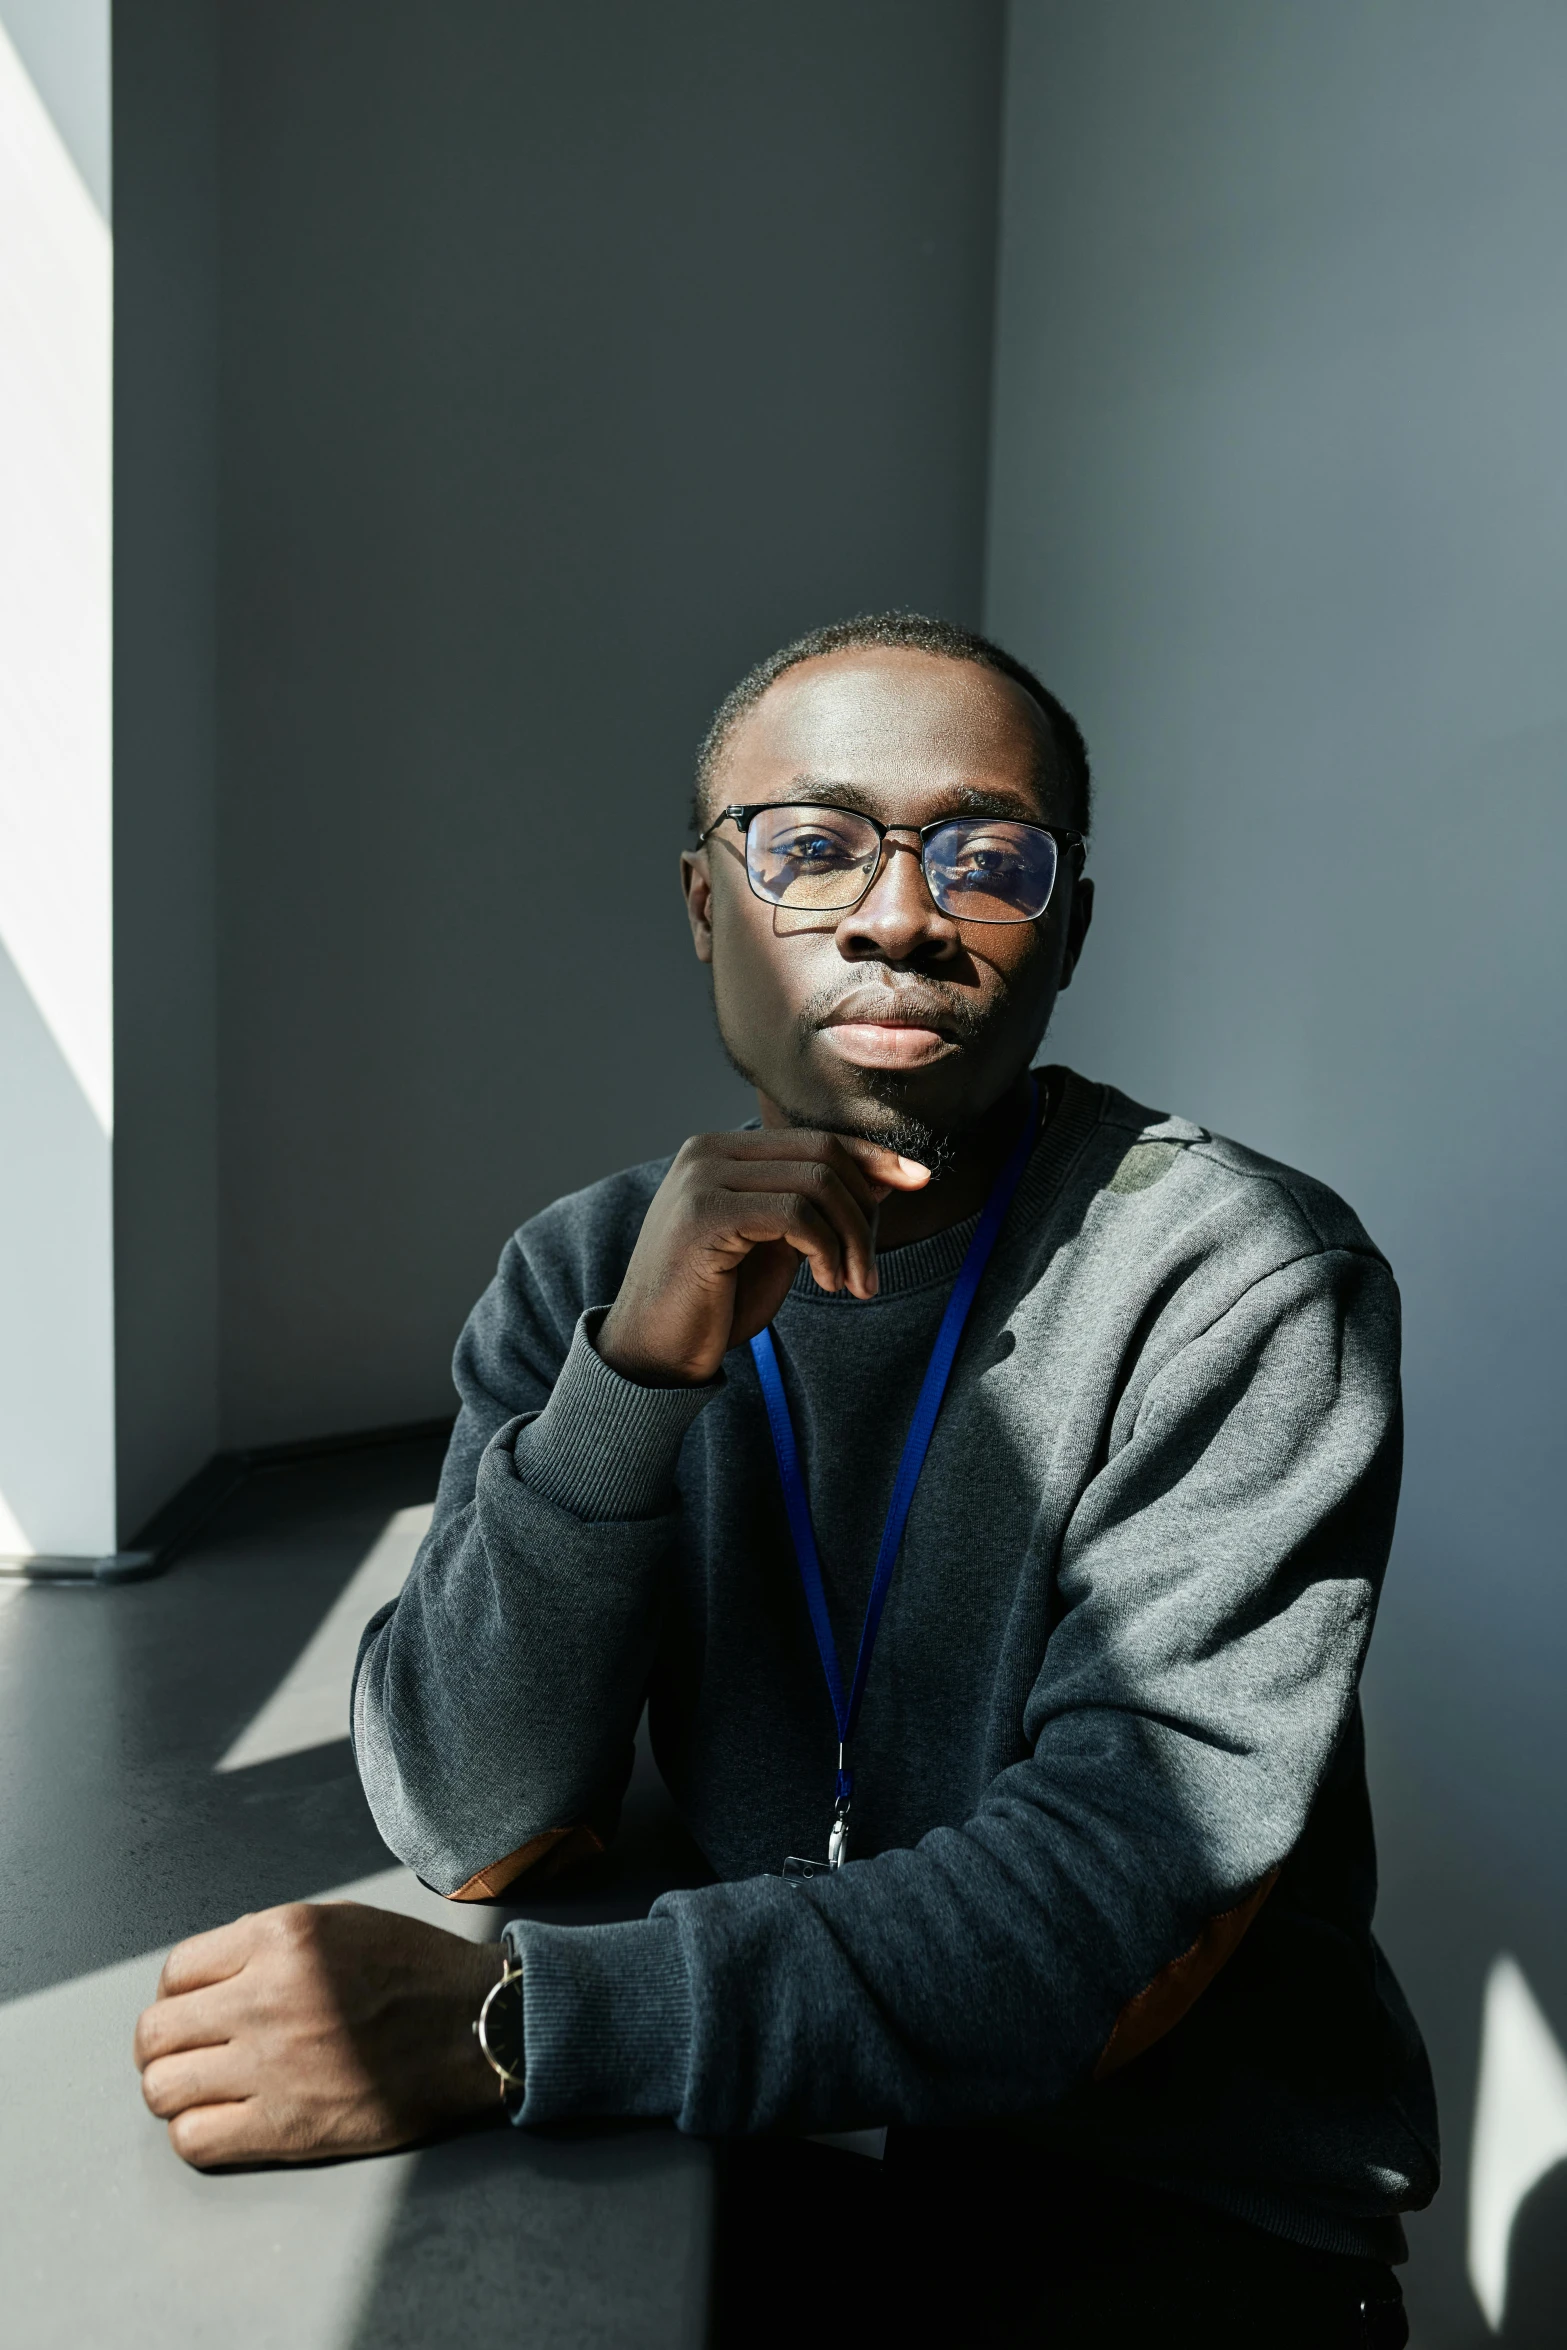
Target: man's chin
x,y
870,1105
877,1108
911,1137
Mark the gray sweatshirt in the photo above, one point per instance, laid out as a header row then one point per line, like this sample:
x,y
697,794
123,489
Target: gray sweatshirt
x,y
1113,1872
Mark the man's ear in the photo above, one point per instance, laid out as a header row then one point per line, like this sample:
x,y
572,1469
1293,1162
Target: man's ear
x,y
697,883
1077,921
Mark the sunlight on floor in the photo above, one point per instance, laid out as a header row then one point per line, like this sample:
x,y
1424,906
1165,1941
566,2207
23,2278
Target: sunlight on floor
x,y
309,1707
254,2258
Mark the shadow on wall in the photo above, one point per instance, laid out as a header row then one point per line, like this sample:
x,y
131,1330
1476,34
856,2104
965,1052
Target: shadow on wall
x,y
573,357
1536,2310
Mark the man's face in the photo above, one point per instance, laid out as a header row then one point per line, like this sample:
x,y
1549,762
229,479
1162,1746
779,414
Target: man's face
x,y
892,1020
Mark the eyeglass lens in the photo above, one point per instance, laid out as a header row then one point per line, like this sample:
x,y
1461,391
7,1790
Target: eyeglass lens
x,y
977,868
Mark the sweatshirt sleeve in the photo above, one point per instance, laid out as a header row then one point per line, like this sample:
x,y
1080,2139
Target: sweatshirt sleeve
x,y
1215,1587
496,1701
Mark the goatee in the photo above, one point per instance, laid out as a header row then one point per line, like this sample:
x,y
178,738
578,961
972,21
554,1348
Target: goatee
x,y
912,1138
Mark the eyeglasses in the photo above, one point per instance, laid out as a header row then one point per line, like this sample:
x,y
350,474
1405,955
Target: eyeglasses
x,y
820,860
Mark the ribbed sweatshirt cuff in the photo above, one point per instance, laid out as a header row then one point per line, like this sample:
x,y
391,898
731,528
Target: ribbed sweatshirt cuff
x,y
606,2019
604,1448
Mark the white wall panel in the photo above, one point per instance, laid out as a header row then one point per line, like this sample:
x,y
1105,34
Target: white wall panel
x,y
57,1460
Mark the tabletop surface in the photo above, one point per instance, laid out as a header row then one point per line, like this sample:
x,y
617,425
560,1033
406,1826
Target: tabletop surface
x,y
175,1752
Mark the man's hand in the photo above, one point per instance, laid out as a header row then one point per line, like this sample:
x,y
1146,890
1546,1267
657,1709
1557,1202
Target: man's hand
x,y
323,2028
724,1237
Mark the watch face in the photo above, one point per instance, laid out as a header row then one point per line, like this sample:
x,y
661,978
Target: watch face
x,y
503,2026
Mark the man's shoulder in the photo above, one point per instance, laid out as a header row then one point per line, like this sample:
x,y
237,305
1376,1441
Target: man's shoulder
x,y
583,1233
571,1256
1232,1187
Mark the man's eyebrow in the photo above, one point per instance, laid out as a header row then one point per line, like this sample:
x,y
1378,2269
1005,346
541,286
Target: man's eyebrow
x,y
964,799
974,802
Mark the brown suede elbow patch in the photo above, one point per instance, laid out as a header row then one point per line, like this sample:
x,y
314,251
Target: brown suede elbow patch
x,y
1160,2005
544,1855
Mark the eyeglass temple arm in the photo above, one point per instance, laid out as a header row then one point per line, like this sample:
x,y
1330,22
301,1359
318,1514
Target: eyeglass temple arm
x,y
741,816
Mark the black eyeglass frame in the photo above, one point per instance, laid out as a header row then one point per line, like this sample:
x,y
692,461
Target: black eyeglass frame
x,y
1068,844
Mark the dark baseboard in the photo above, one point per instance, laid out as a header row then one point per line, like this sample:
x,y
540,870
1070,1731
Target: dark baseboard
x,y
175,1526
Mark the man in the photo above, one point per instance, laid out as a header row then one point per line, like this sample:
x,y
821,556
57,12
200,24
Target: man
x,y
1100,1914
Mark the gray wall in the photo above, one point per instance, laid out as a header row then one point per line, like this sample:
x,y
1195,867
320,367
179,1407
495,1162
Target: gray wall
x,y
165,708
1278,503
571,358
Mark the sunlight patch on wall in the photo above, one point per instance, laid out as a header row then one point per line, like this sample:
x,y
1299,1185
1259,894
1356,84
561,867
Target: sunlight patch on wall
x,y
14,1542
1520,2129
309,1707
55,320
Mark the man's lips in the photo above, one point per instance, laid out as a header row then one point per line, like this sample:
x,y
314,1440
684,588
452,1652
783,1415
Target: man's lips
x,y
875,1044
885,1035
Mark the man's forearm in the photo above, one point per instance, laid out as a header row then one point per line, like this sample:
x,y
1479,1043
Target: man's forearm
x,y
497,1704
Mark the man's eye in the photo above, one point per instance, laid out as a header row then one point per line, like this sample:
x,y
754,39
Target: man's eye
x,y
980,860
816,848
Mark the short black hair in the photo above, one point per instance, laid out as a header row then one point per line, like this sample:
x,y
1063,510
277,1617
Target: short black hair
x,y
914,632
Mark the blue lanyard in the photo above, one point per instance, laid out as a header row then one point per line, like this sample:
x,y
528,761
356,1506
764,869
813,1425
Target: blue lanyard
x,y
846,1711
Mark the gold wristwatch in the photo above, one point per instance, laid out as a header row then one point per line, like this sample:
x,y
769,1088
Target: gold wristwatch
x,y
499,2033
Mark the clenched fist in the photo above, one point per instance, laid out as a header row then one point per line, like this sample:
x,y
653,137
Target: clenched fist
x,y
323,2028
723,1239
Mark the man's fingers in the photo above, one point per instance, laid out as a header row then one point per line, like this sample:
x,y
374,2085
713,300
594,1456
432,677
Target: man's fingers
x,y
207,1958
821,1185
784,1215
208,2136
856,1159
794,1147
885,1166
191,2019
255,2130
196,2076
726,1196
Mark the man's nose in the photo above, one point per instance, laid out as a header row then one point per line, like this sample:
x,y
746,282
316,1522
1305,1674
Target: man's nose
x,y
897,919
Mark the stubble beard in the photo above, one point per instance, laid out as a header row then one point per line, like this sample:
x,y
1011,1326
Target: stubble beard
x,y
896,1129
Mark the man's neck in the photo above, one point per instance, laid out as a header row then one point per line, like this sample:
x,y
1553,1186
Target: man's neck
x,y
965,1181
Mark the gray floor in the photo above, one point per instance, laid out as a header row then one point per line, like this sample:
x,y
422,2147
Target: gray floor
x,y
122,1832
